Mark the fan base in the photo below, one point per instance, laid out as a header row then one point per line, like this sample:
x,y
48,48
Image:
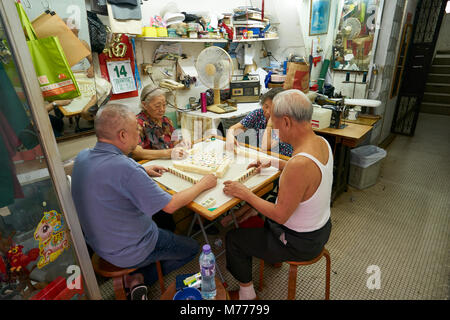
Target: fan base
x,y
221,108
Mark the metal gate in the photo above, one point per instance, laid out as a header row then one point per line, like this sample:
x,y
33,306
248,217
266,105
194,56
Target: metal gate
x,y
427,22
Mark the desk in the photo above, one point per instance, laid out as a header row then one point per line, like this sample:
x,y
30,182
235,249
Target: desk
x,y
349,137
197,122
88,96
221,293
368,120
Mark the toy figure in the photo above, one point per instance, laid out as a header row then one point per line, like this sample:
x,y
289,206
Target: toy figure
x,y
19,260
52,239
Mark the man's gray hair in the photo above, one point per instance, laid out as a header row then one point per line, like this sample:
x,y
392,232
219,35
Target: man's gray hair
x,y
293,103
150,92
110,119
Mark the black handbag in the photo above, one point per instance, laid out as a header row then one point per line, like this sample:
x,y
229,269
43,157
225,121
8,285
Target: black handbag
x,y
97,32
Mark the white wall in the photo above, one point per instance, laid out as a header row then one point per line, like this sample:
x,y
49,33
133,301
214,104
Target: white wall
x,y
288,16
443,42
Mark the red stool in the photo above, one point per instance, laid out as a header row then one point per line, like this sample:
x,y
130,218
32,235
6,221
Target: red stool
x,y
292,284
108,270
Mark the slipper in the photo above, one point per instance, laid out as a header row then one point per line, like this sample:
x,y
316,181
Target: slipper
x,y
139,292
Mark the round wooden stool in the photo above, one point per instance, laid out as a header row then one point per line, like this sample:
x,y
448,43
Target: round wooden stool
x,y
292,284
108,270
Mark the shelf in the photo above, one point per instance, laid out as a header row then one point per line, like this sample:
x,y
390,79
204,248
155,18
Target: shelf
x,y
167,39
256,39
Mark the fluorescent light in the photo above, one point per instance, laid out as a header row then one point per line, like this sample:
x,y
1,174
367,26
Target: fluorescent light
x,y
447,8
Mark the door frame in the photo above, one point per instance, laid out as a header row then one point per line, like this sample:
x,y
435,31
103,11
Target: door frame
x,y
32,91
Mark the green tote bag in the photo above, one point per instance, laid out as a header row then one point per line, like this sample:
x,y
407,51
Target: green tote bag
x,y
55,77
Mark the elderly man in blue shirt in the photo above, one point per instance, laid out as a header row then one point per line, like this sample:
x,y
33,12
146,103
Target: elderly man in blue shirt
x,y
115,200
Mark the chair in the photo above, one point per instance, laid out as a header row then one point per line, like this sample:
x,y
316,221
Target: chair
x,y
108,270
292,284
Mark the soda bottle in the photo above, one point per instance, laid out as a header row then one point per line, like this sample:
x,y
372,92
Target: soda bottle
x,y
208,272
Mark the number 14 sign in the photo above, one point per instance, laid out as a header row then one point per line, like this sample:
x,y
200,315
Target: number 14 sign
x,y
121,76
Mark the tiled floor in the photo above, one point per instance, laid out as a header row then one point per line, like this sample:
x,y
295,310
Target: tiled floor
x,y
401,225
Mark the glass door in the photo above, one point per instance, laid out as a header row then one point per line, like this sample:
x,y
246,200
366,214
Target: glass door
x,y
43,255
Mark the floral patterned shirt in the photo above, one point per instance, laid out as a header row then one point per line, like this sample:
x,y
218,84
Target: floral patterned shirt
x,y
257,121
154,136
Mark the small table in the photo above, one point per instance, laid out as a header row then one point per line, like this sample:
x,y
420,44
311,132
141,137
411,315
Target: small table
x,y
349,137
221,293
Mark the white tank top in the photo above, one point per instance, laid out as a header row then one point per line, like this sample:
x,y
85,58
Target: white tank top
x,y
314,213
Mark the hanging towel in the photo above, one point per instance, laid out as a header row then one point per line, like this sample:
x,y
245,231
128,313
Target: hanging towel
x,y
124,26
130,2
126,11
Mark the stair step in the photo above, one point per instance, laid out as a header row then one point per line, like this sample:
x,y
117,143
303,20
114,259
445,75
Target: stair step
x,y
431,88
441,61
440,70
443,52
436,98
435,108
436,78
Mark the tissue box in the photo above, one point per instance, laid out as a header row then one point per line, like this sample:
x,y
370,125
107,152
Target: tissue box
x,y
321,118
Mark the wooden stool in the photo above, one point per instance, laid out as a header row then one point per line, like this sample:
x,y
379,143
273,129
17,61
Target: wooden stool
x,y
292,284
108,270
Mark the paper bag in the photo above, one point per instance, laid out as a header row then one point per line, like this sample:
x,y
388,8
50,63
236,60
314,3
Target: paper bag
x,y
297,76
47,25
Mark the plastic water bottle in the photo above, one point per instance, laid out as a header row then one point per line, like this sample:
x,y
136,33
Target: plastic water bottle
x,y
208,272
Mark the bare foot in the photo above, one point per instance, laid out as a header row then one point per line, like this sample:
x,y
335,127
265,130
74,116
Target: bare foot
x,y
133,280
226,221
250,213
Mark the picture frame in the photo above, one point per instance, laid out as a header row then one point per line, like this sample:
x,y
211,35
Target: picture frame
x,y
319,17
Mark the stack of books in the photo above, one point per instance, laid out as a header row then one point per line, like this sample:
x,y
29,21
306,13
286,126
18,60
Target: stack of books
x,y
249,19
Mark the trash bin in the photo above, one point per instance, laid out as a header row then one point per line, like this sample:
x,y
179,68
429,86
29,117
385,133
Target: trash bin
x,y
365,164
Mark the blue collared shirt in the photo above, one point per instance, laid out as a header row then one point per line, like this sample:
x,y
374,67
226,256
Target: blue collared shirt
x,y
115,200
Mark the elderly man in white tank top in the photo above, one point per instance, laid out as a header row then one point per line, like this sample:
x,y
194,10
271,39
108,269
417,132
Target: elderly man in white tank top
x,y
298,225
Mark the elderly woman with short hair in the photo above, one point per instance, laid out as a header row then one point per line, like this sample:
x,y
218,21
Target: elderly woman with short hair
x,y
156,130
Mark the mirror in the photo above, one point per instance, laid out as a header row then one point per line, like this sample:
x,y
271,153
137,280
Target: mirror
x,y
352,49
71,118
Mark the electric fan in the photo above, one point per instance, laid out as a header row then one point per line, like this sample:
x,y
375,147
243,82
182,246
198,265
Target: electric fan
x,y
351,29
214,67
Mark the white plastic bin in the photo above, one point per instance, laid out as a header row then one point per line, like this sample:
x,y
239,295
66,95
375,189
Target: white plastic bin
x,y
365,164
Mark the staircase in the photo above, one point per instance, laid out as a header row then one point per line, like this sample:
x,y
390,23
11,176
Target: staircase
x,y
436,98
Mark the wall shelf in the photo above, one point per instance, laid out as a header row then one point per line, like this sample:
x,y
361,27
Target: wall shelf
x,y
191,40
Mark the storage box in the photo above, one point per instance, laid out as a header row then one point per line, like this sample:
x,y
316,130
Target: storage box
x,y
161,32
362,178
321,118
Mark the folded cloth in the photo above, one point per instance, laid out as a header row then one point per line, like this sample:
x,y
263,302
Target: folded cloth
x,y
126,11
130,2
123,26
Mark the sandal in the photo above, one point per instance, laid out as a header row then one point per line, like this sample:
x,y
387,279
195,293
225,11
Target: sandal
x,y
139,292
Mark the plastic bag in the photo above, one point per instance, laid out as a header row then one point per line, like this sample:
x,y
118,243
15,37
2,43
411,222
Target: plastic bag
x,y
365,156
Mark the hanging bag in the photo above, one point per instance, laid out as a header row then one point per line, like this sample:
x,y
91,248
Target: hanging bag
x,y
51,25
297,76
55,77
97,32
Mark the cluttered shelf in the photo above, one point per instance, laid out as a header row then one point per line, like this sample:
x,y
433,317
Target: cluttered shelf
x,y
167,39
